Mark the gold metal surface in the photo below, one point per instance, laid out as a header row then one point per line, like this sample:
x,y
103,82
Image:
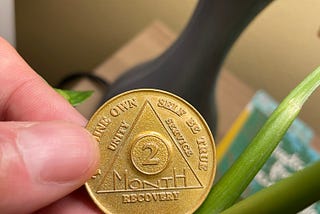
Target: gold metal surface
x,y
157,154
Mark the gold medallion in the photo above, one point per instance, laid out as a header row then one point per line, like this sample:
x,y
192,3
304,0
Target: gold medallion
x,y
157,154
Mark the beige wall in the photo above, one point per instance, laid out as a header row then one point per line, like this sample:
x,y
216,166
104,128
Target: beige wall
x,y
59,36
278,49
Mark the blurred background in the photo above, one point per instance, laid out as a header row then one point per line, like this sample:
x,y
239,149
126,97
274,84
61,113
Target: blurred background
x,y
278,49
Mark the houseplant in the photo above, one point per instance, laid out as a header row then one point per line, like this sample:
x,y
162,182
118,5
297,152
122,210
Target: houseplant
x,y
237,178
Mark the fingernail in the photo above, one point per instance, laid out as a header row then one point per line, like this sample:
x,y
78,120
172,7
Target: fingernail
x,y
58,152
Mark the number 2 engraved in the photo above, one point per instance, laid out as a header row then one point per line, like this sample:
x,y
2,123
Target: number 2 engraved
x,y
150,153
151,159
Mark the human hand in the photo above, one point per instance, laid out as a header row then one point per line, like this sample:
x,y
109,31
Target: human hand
x,y
45,153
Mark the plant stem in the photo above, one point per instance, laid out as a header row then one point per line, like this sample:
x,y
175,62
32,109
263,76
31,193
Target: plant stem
x,y
241,173
290,195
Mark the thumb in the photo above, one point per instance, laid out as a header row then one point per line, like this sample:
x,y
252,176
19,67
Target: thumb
x,y
42,162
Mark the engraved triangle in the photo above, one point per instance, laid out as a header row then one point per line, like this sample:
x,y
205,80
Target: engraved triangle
x,y
168,168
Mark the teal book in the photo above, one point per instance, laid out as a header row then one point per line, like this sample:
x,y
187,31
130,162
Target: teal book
x,y
293,153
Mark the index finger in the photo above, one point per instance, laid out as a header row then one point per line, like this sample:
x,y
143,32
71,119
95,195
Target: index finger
x,y
24,95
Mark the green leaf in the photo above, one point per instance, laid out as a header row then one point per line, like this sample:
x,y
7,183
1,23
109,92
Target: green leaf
x,y
74,97
289,195
237,178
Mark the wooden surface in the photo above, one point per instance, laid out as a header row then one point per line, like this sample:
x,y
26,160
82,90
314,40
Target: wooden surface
x,y
232,94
